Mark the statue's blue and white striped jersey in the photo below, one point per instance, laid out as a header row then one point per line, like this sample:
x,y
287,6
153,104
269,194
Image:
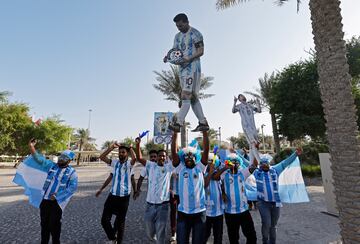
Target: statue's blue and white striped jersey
x,y
246,111
158,181
121,182
214,201
191,188
186,43
235,190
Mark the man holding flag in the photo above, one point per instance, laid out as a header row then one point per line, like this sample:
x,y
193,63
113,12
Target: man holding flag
x,y
49,186
267,184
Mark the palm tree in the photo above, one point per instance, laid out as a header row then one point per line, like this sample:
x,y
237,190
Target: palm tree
x,y
4,95
83,138
264,95
339,110
169,85
107,144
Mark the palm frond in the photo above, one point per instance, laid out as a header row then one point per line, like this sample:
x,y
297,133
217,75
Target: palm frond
x,y
169,84
204,96
223,4
4,95
281,2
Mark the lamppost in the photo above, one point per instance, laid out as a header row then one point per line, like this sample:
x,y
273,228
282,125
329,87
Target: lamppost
x,y
219,137
90,110
263,137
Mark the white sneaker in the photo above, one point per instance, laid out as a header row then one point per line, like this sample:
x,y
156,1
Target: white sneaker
x,y
173,238
111,242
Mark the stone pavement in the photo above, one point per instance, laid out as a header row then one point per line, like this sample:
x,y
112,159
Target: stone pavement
x,y
20,223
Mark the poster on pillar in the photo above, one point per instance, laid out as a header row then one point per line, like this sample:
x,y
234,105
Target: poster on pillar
x,y
162,134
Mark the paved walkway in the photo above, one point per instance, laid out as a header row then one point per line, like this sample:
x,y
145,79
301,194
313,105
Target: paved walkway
x,y
20,222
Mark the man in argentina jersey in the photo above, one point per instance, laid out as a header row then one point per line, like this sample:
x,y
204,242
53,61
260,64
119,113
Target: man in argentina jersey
x,y
236,208
158,193
118,200
189,165
246,111
190,42
214,203
267,183
60,185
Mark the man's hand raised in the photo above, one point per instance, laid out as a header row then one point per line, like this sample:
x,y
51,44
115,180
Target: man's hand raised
x,y
32,142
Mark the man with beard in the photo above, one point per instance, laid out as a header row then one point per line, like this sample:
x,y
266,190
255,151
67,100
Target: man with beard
x,y
158,193
190,165
190,42
118,200
267,185
60,185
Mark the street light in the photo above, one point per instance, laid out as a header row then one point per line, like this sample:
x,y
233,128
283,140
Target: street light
x,y
263,138
90,110
219,137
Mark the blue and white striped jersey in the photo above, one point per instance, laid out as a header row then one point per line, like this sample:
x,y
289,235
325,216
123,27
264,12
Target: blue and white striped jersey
x,y
214,201
121,182
54,182
267,182
174,180
191,189
235,190
174,183
158,182
186,43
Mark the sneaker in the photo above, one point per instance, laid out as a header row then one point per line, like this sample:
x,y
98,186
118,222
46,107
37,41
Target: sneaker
x,y
175,127
111,242
173,238
201,127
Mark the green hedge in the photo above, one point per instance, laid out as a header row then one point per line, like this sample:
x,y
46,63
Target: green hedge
x,y
310,170
309,156
311,152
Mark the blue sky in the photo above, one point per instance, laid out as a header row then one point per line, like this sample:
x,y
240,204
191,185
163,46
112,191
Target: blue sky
x,y
66,57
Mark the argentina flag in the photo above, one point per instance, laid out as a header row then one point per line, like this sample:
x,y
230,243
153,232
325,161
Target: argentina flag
x,y
31,175
291,184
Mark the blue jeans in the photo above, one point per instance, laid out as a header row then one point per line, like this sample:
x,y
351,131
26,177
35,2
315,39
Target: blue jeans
x,y
190,222
156,216
269,217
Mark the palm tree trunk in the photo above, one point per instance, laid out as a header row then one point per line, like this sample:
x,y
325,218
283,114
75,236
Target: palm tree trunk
x,y
275,132
78,159
340,113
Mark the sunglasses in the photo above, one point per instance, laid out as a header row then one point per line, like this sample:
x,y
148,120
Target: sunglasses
x,y
64,157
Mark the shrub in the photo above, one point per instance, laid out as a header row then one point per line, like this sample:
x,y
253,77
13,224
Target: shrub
x,y
309,156
310,170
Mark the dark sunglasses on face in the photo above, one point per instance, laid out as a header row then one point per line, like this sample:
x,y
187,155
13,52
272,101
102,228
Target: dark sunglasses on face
x,y
64,157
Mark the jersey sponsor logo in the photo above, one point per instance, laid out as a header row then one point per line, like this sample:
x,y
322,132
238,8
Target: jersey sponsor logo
x,y
186,175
